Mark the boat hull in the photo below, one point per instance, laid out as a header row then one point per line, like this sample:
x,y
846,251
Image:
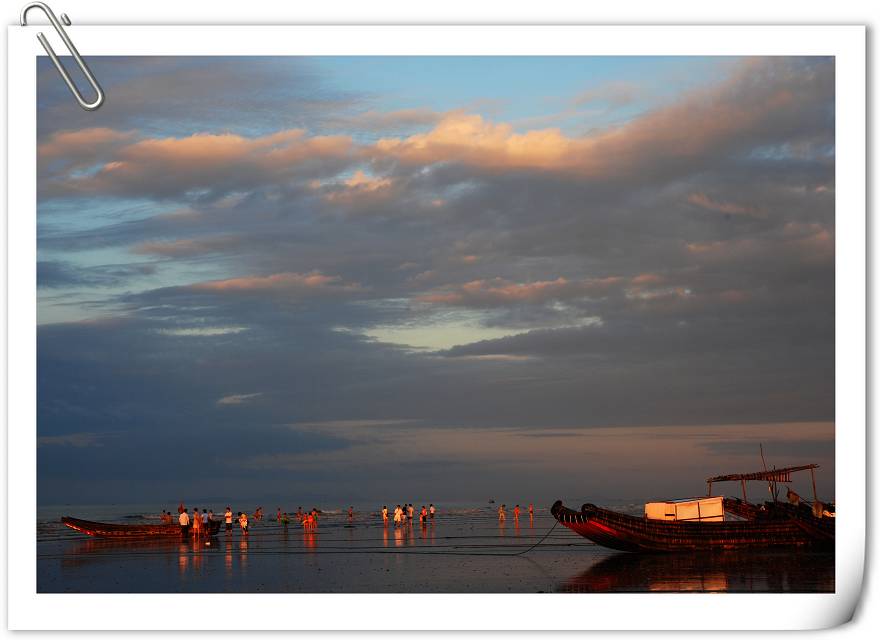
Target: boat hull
x,y
628,533
107,530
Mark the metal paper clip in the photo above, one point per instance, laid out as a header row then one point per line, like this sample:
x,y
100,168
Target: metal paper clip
x,y
88,106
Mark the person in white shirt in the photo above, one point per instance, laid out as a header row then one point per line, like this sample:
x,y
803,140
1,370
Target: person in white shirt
x,y
184,523
228,517
432,511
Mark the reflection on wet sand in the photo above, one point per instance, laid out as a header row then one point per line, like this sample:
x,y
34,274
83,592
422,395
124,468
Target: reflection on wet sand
x,y
730,572
91,546
242,552
183,559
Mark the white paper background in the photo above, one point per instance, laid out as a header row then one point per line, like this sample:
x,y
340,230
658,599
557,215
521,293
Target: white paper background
x,y
474,612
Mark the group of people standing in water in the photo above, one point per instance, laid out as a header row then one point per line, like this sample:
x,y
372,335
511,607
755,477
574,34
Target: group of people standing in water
x,y
502,513
407,513
200,523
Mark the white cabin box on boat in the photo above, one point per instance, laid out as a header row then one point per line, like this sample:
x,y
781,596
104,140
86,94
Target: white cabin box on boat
x,y
691,509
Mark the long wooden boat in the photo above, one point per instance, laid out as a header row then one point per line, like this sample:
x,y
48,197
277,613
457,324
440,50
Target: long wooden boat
x,y
773,524
108,530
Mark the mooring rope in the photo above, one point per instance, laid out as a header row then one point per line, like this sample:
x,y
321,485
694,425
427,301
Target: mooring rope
x,y
546,535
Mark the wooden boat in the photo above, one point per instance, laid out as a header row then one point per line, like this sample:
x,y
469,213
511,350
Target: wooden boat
x,y
773,524
107,530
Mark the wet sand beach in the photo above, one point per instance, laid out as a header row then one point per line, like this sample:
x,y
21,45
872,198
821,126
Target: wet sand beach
x,y
462,550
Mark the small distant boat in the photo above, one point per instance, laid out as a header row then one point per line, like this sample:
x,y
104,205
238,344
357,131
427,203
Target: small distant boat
x,y
107,530
699,524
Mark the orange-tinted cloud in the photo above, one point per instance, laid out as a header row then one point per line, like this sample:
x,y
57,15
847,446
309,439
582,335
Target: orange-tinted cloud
x,y
211,162
761,96
355,188
90,141
702,200
499,291
312,283
647,279
761,103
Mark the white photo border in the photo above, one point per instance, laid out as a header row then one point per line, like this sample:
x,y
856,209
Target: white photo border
x,y
29,610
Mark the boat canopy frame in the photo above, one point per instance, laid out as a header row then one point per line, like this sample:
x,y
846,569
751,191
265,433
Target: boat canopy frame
x,y
770,476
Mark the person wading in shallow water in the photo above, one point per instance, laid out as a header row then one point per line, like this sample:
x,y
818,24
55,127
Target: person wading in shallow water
x,y
228,518
196,523
385,514
243,522
501,514
516,513
432,510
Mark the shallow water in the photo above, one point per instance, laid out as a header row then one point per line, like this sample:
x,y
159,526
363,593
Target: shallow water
x,y
465,549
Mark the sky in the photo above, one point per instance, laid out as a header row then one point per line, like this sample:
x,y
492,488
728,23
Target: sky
x,y
367,278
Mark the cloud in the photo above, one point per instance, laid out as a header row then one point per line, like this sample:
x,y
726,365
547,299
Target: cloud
x,y
355,189
764,104
312,283
188,246
795,243
762,99
238,398
389,120
76,440
216,164
52,274
499,291
181,94
76,147
353,424
201,332
730,208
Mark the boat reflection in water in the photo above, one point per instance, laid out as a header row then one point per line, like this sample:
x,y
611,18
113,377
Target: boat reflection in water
x,y
773,572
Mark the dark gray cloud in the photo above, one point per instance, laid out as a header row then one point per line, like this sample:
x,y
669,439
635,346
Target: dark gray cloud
x,y
55,275
180,94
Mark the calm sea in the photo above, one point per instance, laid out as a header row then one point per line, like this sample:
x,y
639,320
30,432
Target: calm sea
x,y
464,549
